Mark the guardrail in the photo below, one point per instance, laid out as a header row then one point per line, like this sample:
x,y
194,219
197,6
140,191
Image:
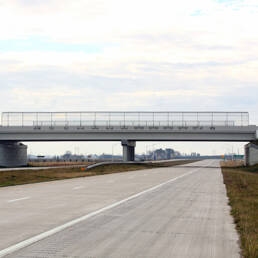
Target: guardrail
x,y
123,119
131,123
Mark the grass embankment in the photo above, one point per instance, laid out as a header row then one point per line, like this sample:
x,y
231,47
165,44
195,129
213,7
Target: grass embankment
x,y
242,189
10,178
59,163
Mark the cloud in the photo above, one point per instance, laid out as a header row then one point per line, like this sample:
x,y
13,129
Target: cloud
x,y
99,20
45,94
170,93
129,55
43,44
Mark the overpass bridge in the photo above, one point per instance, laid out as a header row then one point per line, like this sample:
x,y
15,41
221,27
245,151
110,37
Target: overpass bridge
x,y
127,127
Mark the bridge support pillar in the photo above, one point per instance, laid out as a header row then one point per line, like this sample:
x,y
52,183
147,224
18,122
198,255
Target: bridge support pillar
x,y
251,153
128,150
13,154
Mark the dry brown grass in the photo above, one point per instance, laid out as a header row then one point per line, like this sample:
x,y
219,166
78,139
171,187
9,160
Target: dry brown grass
x,y
114,168
59,163
10,178
232,163
242,190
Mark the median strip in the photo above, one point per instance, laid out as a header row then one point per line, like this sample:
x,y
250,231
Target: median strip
x,y
11,178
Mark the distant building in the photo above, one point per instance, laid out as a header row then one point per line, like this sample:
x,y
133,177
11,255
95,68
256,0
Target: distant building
x,y
195,154
170,153
160,154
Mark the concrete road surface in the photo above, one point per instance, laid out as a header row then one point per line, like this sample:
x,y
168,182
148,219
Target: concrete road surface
x,y
163,212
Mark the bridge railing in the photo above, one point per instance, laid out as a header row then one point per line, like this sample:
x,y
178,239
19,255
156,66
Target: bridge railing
x,y
130,123
125,119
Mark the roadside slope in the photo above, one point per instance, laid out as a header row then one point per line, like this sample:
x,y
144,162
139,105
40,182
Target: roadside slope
x,y
242,190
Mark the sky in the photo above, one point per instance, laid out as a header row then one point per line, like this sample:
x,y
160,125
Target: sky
x,y
166,55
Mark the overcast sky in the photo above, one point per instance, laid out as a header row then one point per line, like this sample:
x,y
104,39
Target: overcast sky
x,y
157,55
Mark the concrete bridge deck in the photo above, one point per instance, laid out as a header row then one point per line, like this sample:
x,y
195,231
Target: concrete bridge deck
x,y
136,133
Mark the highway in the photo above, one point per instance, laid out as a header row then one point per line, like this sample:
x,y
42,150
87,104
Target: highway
x,y
165,212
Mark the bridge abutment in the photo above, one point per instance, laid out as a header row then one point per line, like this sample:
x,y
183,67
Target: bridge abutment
x,y
251,153
128,150
13,154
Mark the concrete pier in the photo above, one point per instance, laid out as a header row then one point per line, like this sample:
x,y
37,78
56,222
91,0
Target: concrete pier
x,y
251,153
13,154
128,150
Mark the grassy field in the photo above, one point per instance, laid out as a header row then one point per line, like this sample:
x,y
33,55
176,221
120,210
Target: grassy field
x,y
242,189
58,163
10,178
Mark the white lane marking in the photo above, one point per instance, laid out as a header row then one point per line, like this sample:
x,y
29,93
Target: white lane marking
x,y
20,199
78,187
111,181
145,174
53,231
